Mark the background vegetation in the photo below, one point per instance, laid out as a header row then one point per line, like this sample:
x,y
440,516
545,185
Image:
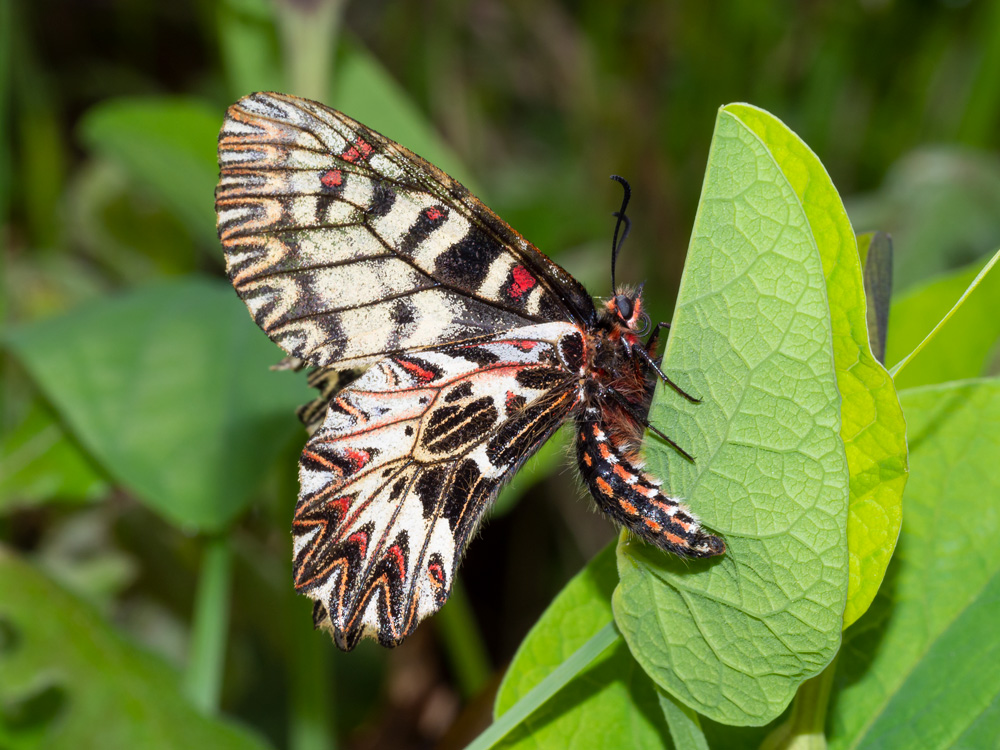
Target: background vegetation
x,y
148,455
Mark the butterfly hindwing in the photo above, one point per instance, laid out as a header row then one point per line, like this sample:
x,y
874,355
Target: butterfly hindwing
x,y
347,247
410,456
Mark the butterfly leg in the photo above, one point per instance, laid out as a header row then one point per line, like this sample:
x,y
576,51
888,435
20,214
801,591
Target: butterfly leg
x,y
654,337
630,409
651,363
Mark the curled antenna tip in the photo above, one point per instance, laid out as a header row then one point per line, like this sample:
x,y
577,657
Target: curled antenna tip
x,y
625,186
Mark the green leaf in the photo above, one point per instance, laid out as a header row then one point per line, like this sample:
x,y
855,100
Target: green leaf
x,y
872,425
610,704
68,680
167,145
168,389
963,347
734,637
248,46
920,669
41,463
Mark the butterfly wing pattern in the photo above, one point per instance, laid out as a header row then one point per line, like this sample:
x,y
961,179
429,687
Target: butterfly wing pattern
x,y
397,479
354,254
346,247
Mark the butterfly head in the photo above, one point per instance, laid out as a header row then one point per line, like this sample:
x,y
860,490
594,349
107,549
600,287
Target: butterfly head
x,y
625,306
626,311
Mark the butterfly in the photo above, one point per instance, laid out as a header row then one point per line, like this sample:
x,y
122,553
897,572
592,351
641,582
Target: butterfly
x,y
470,348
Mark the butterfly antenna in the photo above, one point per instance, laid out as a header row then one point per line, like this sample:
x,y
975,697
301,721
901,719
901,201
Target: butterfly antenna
x,y
616,244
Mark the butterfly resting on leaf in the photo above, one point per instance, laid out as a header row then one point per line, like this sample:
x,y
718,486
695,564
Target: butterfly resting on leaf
x,y
354,254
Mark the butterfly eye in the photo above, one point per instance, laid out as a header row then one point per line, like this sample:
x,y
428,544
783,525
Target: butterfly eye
x,y
624,305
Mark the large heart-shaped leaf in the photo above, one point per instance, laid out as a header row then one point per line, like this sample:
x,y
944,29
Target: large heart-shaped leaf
x,y
733,638
872,424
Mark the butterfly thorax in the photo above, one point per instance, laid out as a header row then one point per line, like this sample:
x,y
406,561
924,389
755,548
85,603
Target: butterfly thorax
x,y
616,368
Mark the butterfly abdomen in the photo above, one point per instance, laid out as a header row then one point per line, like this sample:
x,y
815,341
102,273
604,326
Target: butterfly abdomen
x,y
633,497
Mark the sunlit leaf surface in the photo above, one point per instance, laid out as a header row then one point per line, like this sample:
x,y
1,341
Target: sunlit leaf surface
x,y
734,637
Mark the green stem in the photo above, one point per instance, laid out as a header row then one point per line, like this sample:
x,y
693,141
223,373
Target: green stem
x,y
462,642
308,41
311,706
683,722
207,654
805,728
975,282
547,688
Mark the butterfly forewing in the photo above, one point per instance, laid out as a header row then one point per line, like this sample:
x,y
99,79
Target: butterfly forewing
x,y
397,479
346,247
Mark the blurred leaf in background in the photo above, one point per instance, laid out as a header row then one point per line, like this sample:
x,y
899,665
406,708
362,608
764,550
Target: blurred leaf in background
x,y
170,389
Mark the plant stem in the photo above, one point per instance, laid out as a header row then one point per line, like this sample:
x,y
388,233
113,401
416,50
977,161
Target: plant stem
x,y
684,724
547,688
206,657
308,41
462,642
311,705
894,370
805,728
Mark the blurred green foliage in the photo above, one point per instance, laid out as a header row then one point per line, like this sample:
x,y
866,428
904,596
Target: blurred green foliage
x,y
109,113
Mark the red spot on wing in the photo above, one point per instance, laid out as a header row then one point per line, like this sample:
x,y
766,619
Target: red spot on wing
x,y
358,458
422,375
360,151
333,178
522,282
433,213
360,538
341,505
397,555
363,147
